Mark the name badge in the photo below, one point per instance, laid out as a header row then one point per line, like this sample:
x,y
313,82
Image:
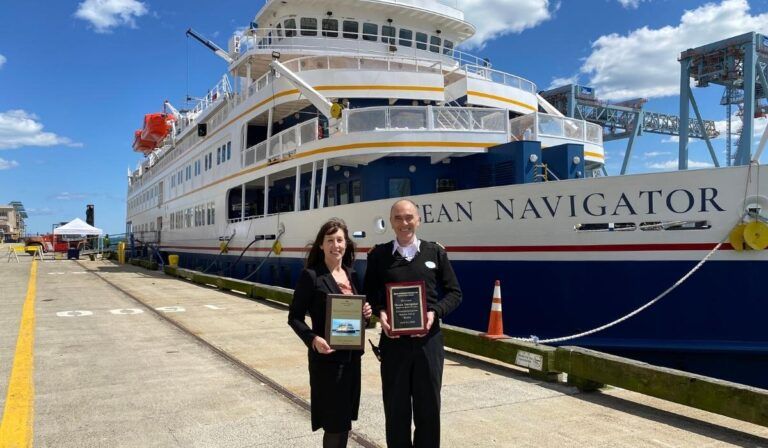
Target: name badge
x,y
430,264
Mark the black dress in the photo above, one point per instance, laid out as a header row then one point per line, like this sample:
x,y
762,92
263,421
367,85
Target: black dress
x,y
334,379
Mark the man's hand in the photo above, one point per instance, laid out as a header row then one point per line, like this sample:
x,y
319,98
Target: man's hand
x,y
321,346
430,321
367,311
384,319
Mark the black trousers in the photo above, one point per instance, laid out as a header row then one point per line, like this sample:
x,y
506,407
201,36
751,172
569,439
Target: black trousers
x,y
411,378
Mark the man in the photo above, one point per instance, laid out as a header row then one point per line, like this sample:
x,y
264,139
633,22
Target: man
x,y
411,366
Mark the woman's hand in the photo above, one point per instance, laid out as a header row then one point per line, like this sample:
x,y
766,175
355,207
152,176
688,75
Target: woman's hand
x,y
321,346
367,311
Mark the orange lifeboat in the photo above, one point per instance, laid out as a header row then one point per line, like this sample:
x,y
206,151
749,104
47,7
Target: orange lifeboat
x,y
156,127
141,145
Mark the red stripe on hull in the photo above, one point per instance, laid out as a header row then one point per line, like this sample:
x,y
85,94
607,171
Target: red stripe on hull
x,y
498,249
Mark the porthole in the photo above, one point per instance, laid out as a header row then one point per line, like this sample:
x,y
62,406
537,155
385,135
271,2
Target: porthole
x,y
379,225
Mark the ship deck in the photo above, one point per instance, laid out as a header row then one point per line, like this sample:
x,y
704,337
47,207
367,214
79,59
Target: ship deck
x,y
125,357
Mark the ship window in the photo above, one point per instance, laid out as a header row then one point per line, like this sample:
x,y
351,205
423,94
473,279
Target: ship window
x,y
445,185
279,31
434,44
370,31
674,225
388,34
229,150
234,204
308,26
343,193
606,227
406,37
447,47
399,187
330,28
356,191
421,41
218,156
350,29
330,195
290,28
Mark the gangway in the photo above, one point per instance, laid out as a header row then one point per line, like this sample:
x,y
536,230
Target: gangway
x,y
625,119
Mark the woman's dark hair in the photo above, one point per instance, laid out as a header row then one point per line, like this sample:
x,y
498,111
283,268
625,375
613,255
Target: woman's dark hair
x,y
316,256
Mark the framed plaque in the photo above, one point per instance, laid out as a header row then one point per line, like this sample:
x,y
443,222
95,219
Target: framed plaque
x,y
344,322
407,308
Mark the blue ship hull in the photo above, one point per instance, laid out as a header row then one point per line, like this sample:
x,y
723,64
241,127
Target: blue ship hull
x,y
691,329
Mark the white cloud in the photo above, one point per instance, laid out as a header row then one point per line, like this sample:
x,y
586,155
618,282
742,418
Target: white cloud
x,y
67,196
8,164
2,60
45,211
557,82
19,128
107,14
672,165
650,154
495,18
643,63
633,4
722,127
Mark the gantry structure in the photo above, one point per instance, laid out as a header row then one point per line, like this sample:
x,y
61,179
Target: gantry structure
x,y
738,64
625,119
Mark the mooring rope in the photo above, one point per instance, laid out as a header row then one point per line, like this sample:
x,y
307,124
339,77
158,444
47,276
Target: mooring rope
x,y
536,340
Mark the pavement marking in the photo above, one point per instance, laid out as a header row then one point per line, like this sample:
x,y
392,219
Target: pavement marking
x,y
213,307
74,313
16,427
130,311
171,309
127,311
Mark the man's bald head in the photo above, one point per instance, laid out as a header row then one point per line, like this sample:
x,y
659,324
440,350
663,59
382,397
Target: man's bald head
x,y
404,202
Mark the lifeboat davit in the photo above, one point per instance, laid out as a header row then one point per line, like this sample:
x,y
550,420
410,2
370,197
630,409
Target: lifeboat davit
x,y
156,127
141,145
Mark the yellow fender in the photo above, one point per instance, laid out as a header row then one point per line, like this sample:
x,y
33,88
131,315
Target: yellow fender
x,y
736,238
756,235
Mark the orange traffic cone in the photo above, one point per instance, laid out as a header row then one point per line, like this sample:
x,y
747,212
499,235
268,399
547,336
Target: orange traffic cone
x,y
495,322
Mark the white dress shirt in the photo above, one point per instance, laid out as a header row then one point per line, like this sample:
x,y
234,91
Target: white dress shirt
x,y
409,251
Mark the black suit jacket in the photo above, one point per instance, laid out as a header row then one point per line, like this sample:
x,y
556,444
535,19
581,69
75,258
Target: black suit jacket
x,y
310,295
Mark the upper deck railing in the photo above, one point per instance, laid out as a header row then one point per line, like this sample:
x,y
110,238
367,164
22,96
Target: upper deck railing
x,y
536,125
382,119
501,77
275,39
352,62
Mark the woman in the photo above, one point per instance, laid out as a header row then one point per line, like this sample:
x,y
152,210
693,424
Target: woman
x,y
334,375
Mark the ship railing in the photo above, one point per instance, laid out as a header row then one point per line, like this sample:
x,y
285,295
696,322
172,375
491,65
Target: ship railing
x,y
281,145
215,95
330,41
378,119
426,118
500,77
535,125
328,62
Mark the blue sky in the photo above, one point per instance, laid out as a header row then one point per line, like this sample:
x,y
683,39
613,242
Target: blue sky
x,y
78,76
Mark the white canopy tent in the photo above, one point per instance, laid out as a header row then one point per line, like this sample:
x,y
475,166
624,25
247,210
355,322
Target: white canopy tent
x,y
77,227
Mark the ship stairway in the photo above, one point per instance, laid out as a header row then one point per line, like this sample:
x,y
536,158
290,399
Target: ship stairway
x,y
450,116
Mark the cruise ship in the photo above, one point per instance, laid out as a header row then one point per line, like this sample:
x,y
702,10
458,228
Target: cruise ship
x,y
336,108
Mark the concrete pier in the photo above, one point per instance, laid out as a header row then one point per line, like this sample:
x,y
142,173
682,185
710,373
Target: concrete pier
x,y
125,357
